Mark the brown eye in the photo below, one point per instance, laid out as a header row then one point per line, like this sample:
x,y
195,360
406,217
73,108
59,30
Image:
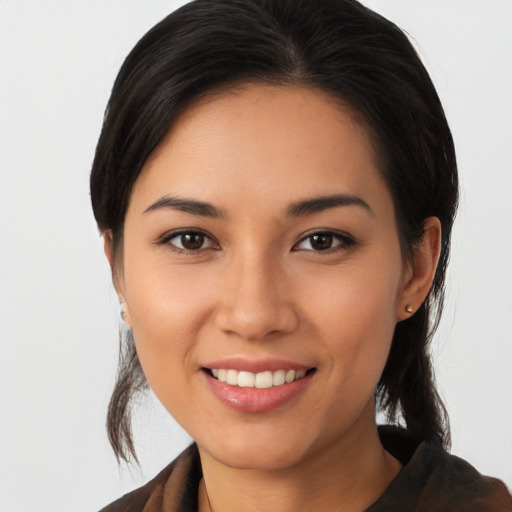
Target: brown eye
x,y
192,241
324,241
321,241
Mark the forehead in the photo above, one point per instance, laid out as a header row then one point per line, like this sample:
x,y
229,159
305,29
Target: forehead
x,y
269,144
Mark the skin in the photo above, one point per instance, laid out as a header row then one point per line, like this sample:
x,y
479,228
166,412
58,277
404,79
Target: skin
x,y
257,288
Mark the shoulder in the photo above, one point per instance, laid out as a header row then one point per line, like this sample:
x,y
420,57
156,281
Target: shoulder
x,y
434,480
454,484
174,485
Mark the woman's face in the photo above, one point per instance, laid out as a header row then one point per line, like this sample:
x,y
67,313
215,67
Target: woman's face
x,y
260,246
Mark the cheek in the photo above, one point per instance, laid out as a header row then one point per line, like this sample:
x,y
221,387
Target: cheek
x,y
354,312
167,309
355,321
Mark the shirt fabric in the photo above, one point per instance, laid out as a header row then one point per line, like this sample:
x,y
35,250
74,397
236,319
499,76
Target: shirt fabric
x,y
431,480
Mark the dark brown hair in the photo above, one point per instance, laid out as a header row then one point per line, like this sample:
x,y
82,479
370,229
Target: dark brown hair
x,y
339,47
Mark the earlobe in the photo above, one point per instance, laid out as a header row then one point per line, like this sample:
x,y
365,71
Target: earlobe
x,y
422,271
108,247
125,316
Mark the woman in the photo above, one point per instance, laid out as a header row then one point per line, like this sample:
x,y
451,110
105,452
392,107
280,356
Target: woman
x,y
276,185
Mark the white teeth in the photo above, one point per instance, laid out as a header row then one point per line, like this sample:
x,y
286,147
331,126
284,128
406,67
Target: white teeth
x,y
279,378
232,377
299,374
263,380
260,380
245,379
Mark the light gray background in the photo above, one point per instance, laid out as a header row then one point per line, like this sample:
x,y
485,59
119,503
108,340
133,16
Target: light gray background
x,y
59,317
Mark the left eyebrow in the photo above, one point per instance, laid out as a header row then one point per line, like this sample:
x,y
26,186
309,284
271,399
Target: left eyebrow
x,y
321,203
191,206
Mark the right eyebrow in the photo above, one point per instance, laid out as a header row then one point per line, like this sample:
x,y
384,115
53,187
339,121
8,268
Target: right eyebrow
x,y
191,206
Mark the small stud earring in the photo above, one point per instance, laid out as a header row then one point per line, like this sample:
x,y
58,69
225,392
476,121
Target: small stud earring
x,y
408,308
123,312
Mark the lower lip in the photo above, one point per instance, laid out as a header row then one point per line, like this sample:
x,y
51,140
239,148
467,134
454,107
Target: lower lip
x,y
256,400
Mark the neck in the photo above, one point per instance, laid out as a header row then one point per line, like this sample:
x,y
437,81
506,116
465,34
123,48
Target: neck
x,y
348,475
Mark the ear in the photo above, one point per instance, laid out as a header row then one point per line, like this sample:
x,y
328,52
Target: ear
x,y
108,247
421,270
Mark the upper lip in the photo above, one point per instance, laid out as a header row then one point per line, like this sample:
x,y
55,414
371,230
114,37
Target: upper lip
x,y
255,365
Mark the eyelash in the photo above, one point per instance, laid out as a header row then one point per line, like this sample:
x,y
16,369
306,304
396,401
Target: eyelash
x,y
166,240
344,240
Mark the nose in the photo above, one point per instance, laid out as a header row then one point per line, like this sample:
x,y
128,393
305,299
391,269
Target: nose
x,y
256,303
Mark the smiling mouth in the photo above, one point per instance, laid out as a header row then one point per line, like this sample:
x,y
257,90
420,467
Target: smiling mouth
x,y
261,380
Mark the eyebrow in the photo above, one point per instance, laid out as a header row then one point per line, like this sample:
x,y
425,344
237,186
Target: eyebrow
x,y
186,205
321,203
298,209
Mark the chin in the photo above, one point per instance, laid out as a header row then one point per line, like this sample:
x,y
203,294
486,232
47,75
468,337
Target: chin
x,y
256,458
258,449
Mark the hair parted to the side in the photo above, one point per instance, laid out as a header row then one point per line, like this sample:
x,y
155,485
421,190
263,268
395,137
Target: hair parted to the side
x,y
337,46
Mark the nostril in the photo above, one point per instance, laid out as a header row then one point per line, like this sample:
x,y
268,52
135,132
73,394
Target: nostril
x,y
257,322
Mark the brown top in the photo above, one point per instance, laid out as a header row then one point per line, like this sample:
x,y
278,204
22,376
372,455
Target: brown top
x,y
431,480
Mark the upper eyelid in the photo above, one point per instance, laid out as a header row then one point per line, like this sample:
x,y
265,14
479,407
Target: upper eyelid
x,y
183,231
334,232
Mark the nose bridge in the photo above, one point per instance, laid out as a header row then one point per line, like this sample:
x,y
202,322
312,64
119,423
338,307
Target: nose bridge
x,y
255,302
